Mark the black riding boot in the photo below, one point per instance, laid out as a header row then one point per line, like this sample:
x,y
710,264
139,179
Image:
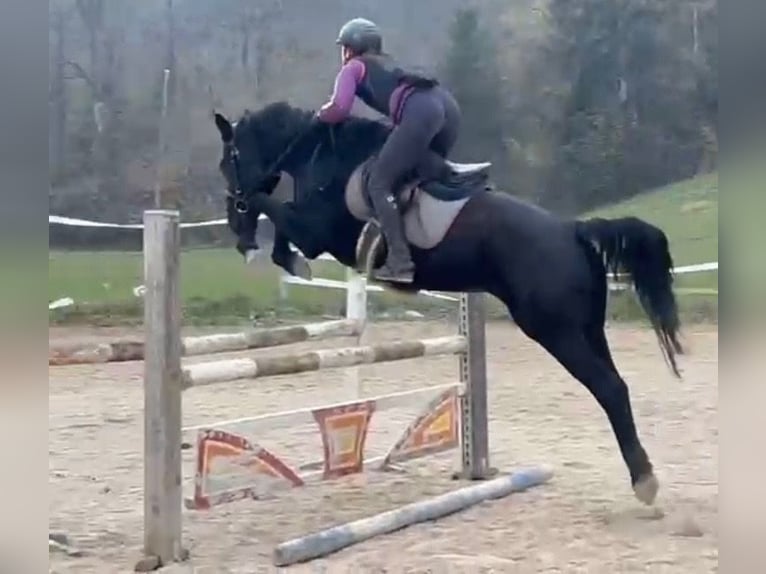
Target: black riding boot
x,y
398,267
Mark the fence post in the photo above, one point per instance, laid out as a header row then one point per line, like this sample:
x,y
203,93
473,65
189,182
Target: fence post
x,y
283,286
356,296
163,497
473,374
356,309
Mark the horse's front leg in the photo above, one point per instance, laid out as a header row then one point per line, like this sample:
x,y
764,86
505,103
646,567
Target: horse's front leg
x,y
288,228
291,261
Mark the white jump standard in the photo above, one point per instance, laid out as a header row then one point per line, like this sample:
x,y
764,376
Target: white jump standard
x,y
165,379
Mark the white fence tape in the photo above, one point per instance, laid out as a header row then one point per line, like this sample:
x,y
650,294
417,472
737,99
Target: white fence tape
x,y
74,222
713,266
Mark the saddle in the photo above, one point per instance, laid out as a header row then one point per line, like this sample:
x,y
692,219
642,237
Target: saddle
x,y
428,207
460,181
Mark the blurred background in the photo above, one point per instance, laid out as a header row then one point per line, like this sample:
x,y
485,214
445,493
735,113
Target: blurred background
x,y
581,105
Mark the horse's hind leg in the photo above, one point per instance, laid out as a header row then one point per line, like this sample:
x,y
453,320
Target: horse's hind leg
x,y
570,346
595,325
596,337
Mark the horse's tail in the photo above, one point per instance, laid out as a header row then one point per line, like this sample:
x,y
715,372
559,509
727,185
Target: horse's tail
x,y
639,249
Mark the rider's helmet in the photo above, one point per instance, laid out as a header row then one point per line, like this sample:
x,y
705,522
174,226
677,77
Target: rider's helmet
x,y
361,36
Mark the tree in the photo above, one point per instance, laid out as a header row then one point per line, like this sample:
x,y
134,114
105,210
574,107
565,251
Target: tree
x,y
471,72
57,94
632,117
102,75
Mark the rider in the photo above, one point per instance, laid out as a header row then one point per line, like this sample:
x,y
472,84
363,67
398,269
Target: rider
x,y
426,120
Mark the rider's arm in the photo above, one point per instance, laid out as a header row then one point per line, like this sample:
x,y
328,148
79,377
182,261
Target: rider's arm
x,y
339,106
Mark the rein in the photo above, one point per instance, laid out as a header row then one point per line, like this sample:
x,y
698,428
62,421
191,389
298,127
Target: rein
x,y
240,201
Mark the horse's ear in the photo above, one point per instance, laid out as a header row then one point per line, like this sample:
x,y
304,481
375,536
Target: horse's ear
x,y
225,127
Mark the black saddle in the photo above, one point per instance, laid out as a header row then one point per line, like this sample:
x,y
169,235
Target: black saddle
x,y
460,181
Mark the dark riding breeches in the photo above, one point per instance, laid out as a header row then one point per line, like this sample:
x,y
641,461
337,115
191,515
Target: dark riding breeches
x,y
426,133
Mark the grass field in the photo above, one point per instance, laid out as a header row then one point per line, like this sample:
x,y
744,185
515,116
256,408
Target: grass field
x,y
218,288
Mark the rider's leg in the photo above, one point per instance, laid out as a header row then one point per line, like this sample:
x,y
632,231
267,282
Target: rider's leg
x,y
445,139
432,165
422,118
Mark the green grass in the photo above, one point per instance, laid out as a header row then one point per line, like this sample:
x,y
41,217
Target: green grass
x,y
216,288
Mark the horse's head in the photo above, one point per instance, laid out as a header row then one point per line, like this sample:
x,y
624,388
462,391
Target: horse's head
x,y
242,162
280,138
259,147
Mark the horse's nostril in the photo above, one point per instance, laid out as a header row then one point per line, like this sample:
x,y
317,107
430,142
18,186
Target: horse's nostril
x,y
241,206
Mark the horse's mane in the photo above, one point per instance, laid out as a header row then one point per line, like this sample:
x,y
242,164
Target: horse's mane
x,y
279,122
274,120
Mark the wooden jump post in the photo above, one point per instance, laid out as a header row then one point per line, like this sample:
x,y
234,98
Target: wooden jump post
x,y
163,497
165,379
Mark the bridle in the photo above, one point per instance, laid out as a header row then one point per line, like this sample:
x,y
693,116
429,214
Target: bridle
x,y
237,193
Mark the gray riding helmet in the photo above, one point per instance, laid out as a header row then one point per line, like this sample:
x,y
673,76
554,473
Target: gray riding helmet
x,y
361,35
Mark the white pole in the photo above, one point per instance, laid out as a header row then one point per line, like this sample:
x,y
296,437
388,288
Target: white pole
x,y
162,143
356,296
356,309
283,286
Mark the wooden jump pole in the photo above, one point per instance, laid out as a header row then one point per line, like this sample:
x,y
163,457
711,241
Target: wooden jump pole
x,y
334,539
215,372
133,349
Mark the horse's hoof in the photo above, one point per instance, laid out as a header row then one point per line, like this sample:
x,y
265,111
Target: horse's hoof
x,y
646,488
251,255
300,267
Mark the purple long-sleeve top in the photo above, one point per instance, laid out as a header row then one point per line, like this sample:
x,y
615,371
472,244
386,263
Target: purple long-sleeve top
x,y
342,100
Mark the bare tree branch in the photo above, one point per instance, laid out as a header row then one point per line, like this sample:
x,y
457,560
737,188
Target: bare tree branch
x,y
79,73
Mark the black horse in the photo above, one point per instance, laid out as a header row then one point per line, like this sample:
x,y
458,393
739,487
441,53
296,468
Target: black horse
x,y
550,273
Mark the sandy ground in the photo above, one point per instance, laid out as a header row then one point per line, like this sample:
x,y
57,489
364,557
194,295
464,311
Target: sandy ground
x,y
586,520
